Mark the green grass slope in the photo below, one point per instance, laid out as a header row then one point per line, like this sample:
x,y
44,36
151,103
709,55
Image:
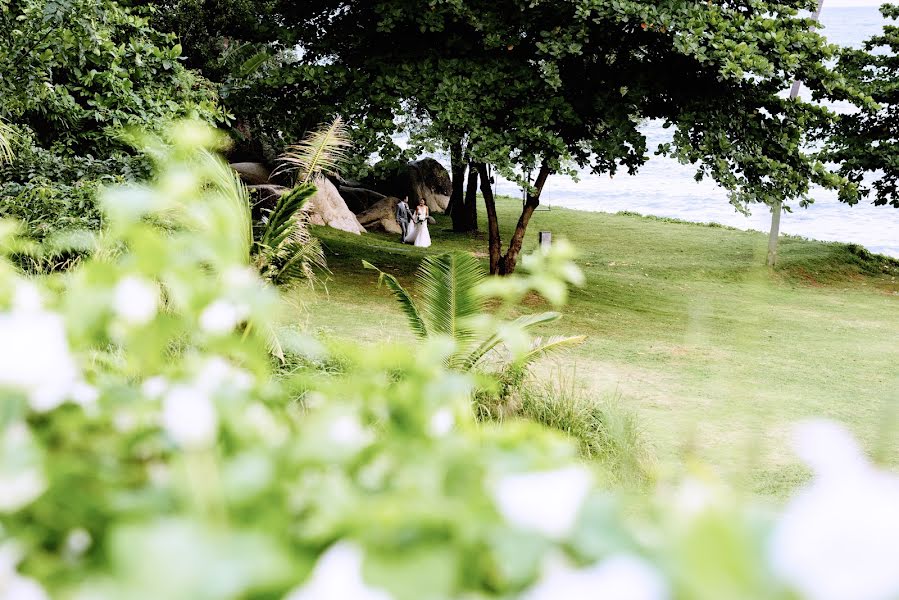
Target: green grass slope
x,y
717,354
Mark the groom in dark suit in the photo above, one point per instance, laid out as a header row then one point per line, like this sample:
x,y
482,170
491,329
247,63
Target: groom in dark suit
x,y
403,216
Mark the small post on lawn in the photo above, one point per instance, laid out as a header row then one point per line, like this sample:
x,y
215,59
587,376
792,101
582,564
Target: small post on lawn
x,y
545,239
774,234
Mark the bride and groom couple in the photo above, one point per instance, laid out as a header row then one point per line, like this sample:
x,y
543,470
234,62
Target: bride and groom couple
x,y
414,224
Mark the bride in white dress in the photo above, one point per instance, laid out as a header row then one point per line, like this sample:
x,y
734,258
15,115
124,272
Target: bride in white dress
x,y
418,233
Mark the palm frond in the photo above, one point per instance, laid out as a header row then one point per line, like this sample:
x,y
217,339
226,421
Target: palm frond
x,y
489,344
540,348
416,323
282,225
7,134
322,150
448,296
228,185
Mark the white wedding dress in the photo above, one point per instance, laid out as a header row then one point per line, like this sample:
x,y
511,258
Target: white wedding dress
x,y
418,231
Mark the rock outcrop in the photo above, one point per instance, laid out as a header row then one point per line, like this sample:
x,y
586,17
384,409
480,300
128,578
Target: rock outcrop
x,y
327,207
381,216
252,173
431,181
425,178
359,199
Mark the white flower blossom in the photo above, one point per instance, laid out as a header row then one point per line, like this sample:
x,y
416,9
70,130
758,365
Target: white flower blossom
x,y
548,502
35,358
85,395
621,577
240,278
21,478
216,373
154,387
222,316
16,587
27,297
77,542
338,576
838,539
135,300
442,422
348,431
189,416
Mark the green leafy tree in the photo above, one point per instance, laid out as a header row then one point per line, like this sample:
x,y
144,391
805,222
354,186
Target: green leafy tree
x,y
78,72
538,86
864,142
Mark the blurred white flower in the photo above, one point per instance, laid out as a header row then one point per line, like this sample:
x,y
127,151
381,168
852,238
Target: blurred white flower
x,y
154,387
85,395
16,587
239,278
216,373
189,416
838,539
548,501
135,300
21,478
620,577
35,358
26,297
338,576
222,316
348,431
77,542
442,422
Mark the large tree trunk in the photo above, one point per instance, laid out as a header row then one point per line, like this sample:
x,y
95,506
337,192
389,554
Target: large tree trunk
x,y
470,222
507,263
495,243
457,167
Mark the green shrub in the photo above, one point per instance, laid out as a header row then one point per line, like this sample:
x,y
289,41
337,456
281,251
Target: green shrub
x,y
147,451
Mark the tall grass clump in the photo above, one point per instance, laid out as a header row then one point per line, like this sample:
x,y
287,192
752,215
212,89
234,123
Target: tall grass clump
x,y
604,429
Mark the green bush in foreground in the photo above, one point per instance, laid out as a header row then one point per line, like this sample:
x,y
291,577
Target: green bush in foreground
x,y
148,453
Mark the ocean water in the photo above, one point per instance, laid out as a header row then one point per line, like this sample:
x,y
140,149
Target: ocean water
x,y
666,188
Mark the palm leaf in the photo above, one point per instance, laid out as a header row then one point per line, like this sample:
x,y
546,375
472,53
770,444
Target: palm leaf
x,y
489,344
6,136
322,150
282,224
416,323
227,183
540,348
449,299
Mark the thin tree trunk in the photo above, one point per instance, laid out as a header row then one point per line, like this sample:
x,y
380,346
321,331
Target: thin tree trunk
x,y
508,262
777,209
494,241
470,209
457,166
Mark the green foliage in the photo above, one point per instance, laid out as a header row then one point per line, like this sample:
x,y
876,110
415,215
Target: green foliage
x,y
603,428
323,150
84,69
864,142
6,137
141,381
453,293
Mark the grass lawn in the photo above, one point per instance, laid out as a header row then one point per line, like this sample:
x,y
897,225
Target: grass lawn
x,y
715,353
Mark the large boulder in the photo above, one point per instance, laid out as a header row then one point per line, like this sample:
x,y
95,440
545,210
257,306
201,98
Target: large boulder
x,y
327,207
252,173
359,199
381,216
425,178
431,181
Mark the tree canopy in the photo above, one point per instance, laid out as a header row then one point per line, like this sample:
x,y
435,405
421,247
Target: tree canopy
x,y
864,142
539,86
